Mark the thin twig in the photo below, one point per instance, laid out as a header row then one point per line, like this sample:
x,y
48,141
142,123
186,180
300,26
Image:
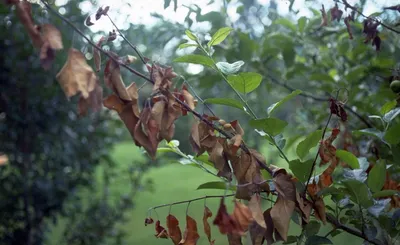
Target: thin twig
x,y
306,95
190,200
129,43
347,5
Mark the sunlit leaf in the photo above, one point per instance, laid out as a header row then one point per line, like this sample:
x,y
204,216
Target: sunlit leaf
x,y
388,106
348,158
187,45
245,82
219,36
190,35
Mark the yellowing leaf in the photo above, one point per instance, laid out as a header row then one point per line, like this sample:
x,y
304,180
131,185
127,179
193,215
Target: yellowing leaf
x,y
76,75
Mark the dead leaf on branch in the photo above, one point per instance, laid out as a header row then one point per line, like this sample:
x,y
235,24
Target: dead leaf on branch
x,y
161,77
207,229
347,23
191,236
24,13
242,215
148,221
336,13
189,99
319,207
160,231
94,101
255,208
174,232
113,79
225,222
76,75
97,54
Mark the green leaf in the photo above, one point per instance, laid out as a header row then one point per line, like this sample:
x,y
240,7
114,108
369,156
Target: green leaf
x,y
370,132
215,185
195,59
301,23
377,176
186,45
312,228
190,35
245,82
301,169
219,36
272,126
225,101
286,23
279,103
309,142
388,106
391,115
348,158
358,192
317,240
228,68
392,136
384,193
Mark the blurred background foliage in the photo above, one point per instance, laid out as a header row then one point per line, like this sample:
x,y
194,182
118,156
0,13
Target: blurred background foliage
x,y
73,180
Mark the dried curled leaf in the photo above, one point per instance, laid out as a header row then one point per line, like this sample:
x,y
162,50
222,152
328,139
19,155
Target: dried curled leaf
x,y
160,231
76,75
161,76
174,232
226,223
207,229
320,212
243,216
24,13
191,236
148,221
234,239
336,13
94,101
324,21
97,54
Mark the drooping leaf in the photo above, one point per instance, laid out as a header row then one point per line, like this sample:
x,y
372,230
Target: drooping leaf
x,y
281,214
309,142
225,222
317,240
392,136
76,75
358,192
161,232
271,125
242,215
97,54
228,68
225,101
190,236
245,82
274,106
174,232
219,36
207,230
52,41
348,158
377,176
94,101
320,212
234,239
195,59
255,208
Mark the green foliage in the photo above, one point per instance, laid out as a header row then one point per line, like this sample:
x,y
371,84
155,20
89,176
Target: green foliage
x,y
272,126
348,158
228,68
195,59
245,82
377,176
219,36
274,106
309,142
358,192
301,169
225,101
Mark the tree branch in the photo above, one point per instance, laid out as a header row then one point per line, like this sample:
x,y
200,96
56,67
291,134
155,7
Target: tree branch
x,y
347,5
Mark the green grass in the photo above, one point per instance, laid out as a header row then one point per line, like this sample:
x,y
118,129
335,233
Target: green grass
x,y
173,182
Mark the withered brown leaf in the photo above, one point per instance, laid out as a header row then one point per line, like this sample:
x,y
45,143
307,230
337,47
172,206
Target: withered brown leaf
x,y
242,215
94,101
281,213
52,41
320,212
113,79
207,229
255,208
148,221
174,232
189,99
76,75
97,54
191,236
24,13
324,21
226,223
160,231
